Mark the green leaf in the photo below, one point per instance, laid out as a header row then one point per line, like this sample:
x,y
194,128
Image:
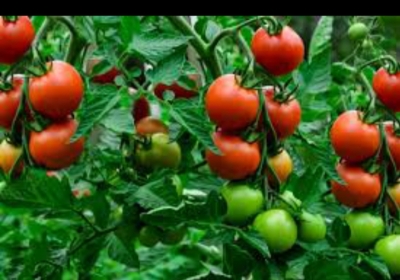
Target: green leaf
x,y
210,276
218,237
100,208
326,270
212,30
119,121
129,26
96,105
168,69
37,22
340,232
255,240
207,213
296,266
204,182
121,252
321,38
192,117
37,190
155,46
237,261
358,274
159,193
377,264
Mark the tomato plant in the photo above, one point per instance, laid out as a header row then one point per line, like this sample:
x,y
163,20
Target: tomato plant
x,y
312,227
9,102
150,125
388,249
9,156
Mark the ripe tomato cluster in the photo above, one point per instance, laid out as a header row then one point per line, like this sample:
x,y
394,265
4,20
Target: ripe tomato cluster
x,y
54,94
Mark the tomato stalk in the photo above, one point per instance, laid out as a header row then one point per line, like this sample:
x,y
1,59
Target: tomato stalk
x,y
274,27
392,65
47,24
10,18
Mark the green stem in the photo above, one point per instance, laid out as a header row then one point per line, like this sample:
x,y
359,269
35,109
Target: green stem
x,y
85,219
47,24
244,47
209,57
389,59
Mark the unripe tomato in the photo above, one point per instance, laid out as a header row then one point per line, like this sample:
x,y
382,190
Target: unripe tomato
x,y
279,54
151,125
238,158
312,227
352,139
389,249
16,39
173,237
229,105
394,192
387,88
362,188
358,31
285,117
393,143
9,155
9,102
149,236
243,203
278,229
58,93
52,148
162,153
282,165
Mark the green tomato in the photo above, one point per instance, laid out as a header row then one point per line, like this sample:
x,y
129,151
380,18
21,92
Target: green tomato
x,y
243,201
365,229
397,229
312,227
162,154
389,249
172,237
149,236
288,201
358,31
278,228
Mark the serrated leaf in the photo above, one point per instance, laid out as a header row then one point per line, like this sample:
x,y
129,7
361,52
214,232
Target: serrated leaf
x,y
37,22
169,69
129,26
377,264
154,46
326,270
296,266
212,30
209,212
358,274
340,232
237,261
155,194
96,105
37,190
321,38
100,208
190,115
119,121
205,182
122,252
217,237
255,240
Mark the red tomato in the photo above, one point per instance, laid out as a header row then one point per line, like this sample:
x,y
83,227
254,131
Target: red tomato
x,y
279,54
16,39
362,188
387,88
180,92
9,103
352,139
58,93
52,148
393,143
229,105
141,109
285,117
150,126
108,77
394,192
238,158
9,154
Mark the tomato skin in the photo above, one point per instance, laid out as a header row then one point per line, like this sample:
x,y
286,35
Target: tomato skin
x,y
51,147
279,54
9,155
162,153
108,77
149,236
9,103
389,249
312,227
16,39
362,188
387,88
230,106
243,202
393,143
358,31
285,117
141,109
58,93
238,158
179,91
150,126
352,139
282,165
394,192
365,229
278,228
